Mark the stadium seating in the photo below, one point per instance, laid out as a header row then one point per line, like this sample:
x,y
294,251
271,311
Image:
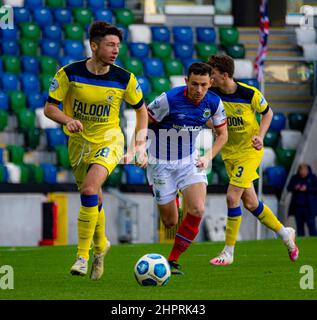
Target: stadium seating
x,y
96,4
285,157
290,139
183,34
74,31
62,16
30,64
28,47
161,50
10,81
9,34
17,101
271,139
3,119
236,51
21,14
11,64
173,67
16,154
134,174
139,50
62,156
153,67
205,34
113,4
26,119
49,173
269,158
228,35
43,17
4,101
124,16
134,65
145,84
35,100
83,16
297,121
183,51
140,33
160,84
114,180
278,122
30,30
177,81
103,15
204,50
305,36
160,34
10,47
55,137
32,138
275,176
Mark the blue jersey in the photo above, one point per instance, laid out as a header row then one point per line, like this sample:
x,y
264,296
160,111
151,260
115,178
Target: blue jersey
x,y
178,121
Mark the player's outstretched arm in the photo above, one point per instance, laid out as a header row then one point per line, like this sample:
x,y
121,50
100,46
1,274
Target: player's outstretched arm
x,y
266,119
52,112
221,140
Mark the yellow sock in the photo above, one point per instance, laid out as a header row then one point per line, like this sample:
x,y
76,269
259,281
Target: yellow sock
x,y
233,225
267,217
87,220
100,239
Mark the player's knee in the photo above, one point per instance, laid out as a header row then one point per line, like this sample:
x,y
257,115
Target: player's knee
x,y
249,205
197,209
88,190
169,222
232,201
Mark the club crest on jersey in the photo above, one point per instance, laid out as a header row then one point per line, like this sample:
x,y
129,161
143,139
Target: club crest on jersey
x,y
263,102
206,113
54,85
238,110
110,96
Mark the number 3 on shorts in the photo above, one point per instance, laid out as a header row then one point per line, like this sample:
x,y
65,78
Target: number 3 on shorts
x,y
104,152
240,170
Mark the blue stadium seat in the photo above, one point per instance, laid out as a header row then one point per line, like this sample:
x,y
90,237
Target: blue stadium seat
x,y
103,15
49,173
10,81
134,174
125,32
75,3
1,156
4,101
64,60
33,4
139,49
35,100
276,176
145,84
96,4
30,64
53,32
42,17
9,34
183,51
74,49
278,122
188,62
21,14
183,34
55,137
114,4
251,82
10,48
161,34
153,67
62,16
206,34
119,63
5,174
30,82
50,48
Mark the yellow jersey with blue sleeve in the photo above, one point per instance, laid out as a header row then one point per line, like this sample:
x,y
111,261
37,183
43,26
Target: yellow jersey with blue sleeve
x,y
241,107
95,100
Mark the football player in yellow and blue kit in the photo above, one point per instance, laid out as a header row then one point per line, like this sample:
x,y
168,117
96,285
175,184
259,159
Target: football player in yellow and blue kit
x,y
242,155
92,91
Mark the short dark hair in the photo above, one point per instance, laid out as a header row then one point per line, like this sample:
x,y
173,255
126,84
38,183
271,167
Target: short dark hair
x,y
199,68
100,29
223,63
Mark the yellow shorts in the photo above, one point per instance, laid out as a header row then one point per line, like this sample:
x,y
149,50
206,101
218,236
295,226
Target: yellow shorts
x,y
242,172
82,154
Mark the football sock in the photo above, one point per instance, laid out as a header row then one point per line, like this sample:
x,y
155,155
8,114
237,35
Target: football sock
x,y
267,217
184,236
87,219
99,237
233,225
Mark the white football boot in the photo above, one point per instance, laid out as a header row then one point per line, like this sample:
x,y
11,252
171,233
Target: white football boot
x,y
293,251
223,259
80,267
97,263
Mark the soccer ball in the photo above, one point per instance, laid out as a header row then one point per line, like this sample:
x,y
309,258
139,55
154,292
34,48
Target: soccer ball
x,y
152,270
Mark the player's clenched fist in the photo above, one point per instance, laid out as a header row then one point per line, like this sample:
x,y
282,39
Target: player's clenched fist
x,y
74,126
257,142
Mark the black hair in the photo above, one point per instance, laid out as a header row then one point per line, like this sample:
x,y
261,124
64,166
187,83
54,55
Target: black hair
x,y
100,29
199,68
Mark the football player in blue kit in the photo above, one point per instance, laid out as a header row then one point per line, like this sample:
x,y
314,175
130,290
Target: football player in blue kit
x,y
176,118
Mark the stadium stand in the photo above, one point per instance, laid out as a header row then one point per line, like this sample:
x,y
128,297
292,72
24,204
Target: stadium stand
x,y
49,36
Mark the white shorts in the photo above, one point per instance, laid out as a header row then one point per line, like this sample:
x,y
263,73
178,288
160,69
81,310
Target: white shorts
x,y
166,179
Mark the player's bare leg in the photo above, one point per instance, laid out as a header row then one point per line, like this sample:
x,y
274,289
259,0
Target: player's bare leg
x,y
268,218
194,201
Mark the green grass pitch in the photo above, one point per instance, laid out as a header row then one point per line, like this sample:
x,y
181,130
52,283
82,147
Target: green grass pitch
x,y
262,270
